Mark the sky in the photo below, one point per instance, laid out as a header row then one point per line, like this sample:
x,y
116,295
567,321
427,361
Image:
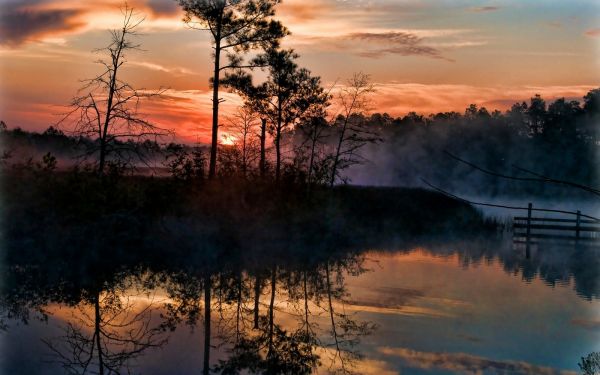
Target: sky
x,y
423,55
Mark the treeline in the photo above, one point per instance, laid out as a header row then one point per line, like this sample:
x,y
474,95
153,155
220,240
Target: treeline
x,y
559,140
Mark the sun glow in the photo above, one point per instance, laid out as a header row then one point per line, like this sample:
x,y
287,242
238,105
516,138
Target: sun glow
x,y
227,139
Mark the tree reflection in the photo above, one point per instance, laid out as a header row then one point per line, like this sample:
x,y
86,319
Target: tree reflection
x,y
106,333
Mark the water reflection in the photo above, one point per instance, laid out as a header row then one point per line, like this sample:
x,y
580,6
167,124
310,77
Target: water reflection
x,y
289,307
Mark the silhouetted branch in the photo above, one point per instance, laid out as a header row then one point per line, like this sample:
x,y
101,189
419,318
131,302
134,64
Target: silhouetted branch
x,y
503,206
528,179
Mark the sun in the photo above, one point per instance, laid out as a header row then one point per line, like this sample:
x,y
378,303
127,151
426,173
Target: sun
x,y
227,139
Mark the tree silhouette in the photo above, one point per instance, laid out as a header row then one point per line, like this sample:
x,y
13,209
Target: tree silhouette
x,y
315,133
290,93
106,108
255,100
109,330
353,100
592,102
536,114
242,126
236,26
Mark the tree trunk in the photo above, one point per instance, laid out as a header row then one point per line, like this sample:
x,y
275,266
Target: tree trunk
x,y
278,143
102,157
207,288
244,162
314,137
212,168
306,307
239,309
109,104
256,300
263,138
337,155
98,334
332,317
271,311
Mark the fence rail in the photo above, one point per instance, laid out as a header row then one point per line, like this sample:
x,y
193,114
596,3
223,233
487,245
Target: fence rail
x,y
554,220
540,228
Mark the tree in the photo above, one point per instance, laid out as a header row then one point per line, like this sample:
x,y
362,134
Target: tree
x,y
287,96
236,26
243,125
106,107
560,123
353,100
592,102
255,99
314,131
108,333
537,114
471,111
517,118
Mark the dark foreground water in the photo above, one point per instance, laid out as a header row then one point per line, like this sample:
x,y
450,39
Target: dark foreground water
x,y
476,306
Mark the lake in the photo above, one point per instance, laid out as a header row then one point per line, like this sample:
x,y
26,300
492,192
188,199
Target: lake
x,y
456,306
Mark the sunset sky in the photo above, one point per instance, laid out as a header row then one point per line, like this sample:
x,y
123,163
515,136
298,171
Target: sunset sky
x,y
423,55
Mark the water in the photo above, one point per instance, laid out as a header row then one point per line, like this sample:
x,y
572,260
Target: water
x,y
469,306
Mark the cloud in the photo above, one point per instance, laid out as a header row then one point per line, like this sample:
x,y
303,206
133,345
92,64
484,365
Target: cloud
x,y
18,24
177,71
466,363
297,12
402,43
594,33
375,44
483,9
163,7
37,20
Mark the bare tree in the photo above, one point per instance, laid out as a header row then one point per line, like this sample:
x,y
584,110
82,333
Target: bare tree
x,y
353,100
109,337
236,26
243,126
345,331
106,108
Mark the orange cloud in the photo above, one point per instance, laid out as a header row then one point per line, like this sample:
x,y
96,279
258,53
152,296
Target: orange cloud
x,y
594,33
35,20
297,12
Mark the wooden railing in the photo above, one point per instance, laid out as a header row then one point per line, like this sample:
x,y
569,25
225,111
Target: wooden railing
x,y
554,228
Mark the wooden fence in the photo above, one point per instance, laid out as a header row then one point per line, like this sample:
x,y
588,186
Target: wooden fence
x,y
529,229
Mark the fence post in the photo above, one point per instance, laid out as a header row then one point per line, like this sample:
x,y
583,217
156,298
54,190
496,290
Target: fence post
x,y
577,226
529,209
527,249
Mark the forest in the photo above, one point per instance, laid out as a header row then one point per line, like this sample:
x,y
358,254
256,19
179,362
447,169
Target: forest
x,y
558,140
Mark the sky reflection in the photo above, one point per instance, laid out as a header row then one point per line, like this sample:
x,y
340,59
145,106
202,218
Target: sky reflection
x,y
434,313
